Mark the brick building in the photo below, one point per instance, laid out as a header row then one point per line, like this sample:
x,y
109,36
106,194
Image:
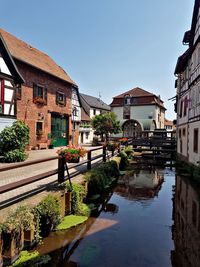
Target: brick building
x,y
44,100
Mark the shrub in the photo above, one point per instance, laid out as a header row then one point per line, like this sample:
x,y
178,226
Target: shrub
x,y
100,177
49,210
128,150
15,155
14,137
31,259
124,160
24,215
78,193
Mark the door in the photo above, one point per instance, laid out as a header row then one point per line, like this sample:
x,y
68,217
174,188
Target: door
x,y
59,130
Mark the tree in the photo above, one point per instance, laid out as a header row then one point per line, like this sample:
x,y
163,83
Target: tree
x,y
106,124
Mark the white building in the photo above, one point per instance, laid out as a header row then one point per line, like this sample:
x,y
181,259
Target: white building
x,y
188,93
91,106
138,110
10,84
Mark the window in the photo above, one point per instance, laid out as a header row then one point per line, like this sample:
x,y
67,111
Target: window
x,y
60,98
179,133
185,106
39,127
181,109
127,100
195,144
94,112
86,136
183,131
39,94
194,213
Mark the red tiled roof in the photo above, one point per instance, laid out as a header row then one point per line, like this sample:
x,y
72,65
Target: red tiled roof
x,y
168,122
84,116
34,57
136,92
141,97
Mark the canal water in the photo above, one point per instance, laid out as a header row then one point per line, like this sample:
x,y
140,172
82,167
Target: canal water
x,y
146,221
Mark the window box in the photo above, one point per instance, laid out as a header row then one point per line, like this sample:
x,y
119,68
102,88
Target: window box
x,y
39,101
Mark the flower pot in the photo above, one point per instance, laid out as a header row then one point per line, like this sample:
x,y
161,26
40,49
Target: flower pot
x,y
76,160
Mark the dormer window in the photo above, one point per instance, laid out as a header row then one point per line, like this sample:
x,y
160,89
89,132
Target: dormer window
x,y
127,100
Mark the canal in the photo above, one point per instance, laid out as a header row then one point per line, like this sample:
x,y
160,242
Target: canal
x,y
149,220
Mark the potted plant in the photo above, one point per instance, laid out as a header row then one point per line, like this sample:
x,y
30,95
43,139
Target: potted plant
x,y
52,143
123,141
39,101
112,146
72,154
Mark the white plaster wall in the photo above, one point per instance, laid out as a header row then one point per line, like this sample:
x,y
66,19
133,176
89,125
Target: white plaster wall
x,y
92,112
119,113
142,112
194,157
3,66
184,140
4,122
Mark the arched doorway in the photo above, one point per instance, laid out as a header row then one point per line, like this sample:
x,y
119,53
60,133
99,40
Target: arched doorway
x,y
131,128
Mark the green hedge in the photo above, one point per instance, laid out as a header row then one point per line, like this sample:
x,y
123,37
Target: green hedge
x,y
101,177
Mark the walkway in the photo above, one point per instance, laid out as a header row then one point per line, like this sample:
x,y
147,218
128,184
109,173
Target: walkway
x,y
15,175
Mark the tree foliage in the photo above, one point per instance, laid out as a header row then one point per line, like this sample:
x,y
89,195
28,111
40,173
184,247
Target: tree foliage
x,y
106,124
14,137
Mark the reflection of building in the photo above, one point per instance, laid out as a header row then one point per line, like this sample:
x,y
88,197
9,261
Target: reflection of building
x,y
188,93
138,110
144,184
91,106
44,100
186,229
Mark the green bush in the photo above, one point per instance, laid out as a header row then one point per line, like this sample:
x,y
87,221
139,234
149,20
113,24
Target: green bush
x,y
49,210
14,137
78,193
31,259
101,177
15,155
128,150
124,160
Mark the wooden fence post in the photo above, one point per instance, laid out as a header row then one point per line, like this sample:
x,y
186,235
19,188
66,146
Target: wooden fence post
x,y
61,169
104,153
89,157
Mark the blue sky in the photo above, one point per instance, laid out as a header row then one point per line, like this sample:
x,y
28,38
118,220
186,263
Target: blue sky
x,y
106,46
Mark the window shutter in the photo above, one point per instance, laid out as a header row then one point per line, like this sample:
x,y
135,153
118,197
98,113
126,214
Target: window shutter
x,y
65,100
45,95
34,91
19,92
57,98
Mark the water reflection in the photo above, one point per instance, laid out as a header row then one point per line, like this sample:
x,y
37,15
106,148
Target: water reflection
x,y
143,184
124,232
186,229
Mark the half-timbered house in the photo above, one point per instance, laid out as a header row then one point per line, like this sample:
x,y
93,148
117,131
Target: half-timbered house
x,y
188,93
10,85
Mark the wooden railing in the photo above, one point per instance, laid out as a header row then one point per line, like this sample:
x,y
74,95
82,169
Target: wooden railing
x,y
60,171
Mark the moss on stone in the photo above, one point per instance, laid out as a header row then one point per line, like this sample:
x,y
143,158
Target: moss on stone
x,y
31,259
70,221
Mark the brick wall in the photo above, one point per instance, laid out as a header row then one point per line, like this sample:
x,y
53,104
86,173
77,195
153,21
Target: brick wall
x,y
30,112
